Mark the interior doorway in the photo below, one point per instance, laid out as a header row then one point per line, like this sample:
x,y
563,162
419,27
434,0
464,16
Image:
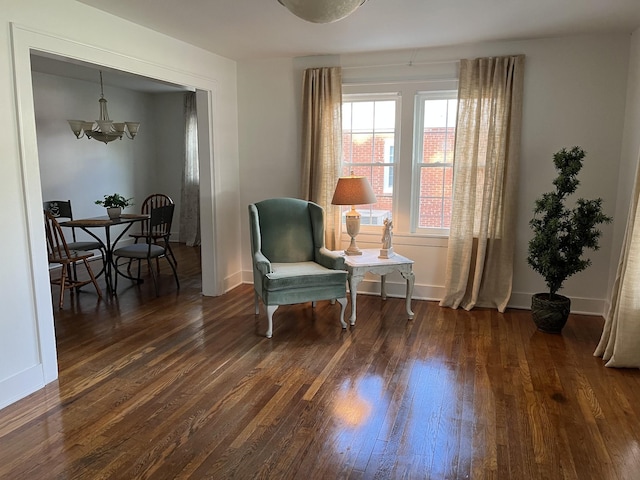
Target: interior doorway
x,y
83,170
25,43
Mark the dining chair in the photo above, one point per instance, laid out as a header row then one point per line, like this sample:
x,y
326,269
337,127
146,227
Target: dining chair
x,y
59,253
159,232
61,209
155,247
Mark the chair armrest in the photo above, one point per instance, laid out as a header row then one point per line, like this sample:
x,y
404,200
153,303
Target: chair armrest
x,y
329,259
262,263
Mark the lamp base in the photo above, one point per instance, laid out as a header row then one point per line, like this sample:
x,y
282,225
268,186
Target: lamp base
x,y
353,248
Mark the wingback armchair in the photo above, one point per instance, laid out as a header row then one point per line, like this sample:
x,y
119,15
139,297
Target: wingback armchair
x,y
290,262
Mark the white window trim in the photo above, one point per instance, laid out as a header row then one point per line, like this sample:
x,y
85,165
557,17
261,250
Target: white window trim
x,y
418,129
404,202
377,97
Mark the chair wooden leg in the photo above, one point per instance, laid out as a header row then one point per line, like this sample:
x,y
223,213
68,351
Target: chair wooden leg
x,y
72,278
270,310
63,281
93,278
343,306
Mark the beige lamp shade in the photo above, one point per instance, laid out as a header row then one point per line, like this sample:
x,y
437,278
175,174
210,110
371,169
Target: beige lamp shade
x,y
353,191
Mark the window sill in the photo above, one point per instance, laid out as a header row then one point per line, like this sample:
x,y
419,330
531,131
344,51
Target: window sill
x,y
373,240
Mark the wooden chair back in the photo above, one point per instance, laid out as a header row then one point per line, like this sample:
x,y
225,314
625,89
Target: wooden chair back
x,y
57,248
60,209
151,203
59,253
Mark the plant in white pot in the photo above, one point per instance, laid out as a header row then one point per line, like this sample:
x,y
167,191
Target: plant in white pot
x,y
114,204
560,236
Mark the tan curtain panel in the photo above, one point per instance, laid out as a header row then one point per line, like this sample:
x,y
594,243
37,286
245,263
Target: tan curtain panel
x,y
620,341
322,143
486,156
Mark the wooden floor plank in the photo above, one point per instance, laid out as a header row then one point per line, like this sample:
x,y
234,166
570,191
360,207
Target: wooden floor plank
x,y
186,386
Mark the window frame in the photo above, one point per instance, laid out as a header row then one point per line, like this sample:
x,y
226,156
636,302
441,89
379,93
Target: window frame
x,y
417,156
385,95
404,194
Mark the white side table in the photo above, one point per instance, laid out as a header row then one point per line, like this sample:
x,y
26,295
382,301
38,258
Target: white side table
x,y
358,265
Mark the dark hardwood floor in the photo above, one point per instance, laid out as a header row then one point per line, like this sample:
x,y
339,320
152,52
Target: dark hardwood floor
x,y
185,386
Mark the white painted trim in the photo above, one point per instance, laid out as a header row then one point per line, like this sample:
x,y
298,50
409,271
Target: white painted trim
x,y
19,386
397,289
24,40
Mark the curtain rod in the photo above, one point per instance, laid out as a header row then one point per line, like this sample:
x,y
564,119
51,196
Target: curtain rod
x,y
410,63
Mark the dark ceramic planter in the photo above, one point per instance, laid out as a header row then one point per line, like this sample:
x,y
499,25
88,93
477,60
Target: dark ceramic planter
x,y
550,316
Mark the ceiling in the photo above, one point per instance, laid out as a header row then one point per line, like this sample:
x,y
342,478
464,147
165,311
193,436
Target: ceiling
x,y
250,29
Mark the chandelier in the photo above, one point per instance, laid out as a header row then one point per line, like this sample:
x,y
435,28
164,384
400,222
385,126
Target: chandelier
x,y
107,130
325,11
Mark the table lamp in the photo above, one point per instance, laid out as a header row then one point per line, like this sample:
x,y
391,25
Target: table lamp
x,y
353,191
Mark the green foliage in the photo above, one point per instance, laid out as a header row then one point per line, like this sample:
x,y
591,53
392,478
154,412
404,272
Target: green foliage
x,y
560,233
115,200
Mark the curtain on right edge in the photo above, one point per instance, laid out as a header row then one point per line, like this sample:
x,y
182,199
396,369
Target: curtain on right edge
x,y
620,341
486,156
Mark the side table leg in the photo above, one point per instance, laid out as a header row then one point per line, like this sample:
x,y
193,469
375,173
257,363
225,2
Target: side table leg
x,y
410,277
354,280
383,287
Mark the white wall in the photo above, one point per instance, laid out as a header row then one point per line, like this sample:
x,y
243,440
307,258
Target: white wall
x,y
574,95
27,337
268,118
169,154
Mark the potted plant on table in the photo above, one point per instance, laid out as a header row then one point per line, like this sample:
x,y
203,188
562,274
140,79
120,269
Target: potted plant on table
x,y
560,236
114,204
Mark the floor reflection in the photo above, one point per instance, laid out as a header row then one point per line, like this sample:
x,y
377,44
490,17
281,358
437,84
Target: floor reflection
x,y
371,415
354,402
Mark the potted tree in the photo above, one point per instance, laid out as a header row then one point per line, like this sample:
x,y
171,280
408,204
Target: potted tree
x,y
560,236
114,204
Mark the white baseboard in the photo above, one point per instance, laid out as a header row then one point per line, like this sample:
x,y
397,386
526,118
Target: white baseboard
x,y
519,300
233,281
20,385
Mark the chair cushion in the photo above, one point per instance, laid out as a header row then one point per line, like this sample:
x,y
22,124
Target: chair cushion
x,y
139,250
301,275
84,246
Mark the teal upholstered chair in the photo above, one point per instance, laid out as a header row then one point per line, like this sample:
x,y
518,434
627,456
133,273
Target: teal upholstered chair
x,y
290,262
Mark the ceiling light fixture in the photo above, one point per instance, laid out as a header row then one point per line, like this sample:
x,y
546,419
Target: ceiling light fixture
x,y
326,11
107,131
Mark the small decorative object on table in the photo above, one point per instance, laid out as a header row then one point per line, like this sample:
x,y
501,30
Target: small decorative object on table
x,y
114,204
387,233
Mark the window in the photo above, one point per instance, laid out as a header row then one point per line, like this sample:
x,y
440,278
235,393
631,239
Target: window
x,y
434,138
368,149
403,142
